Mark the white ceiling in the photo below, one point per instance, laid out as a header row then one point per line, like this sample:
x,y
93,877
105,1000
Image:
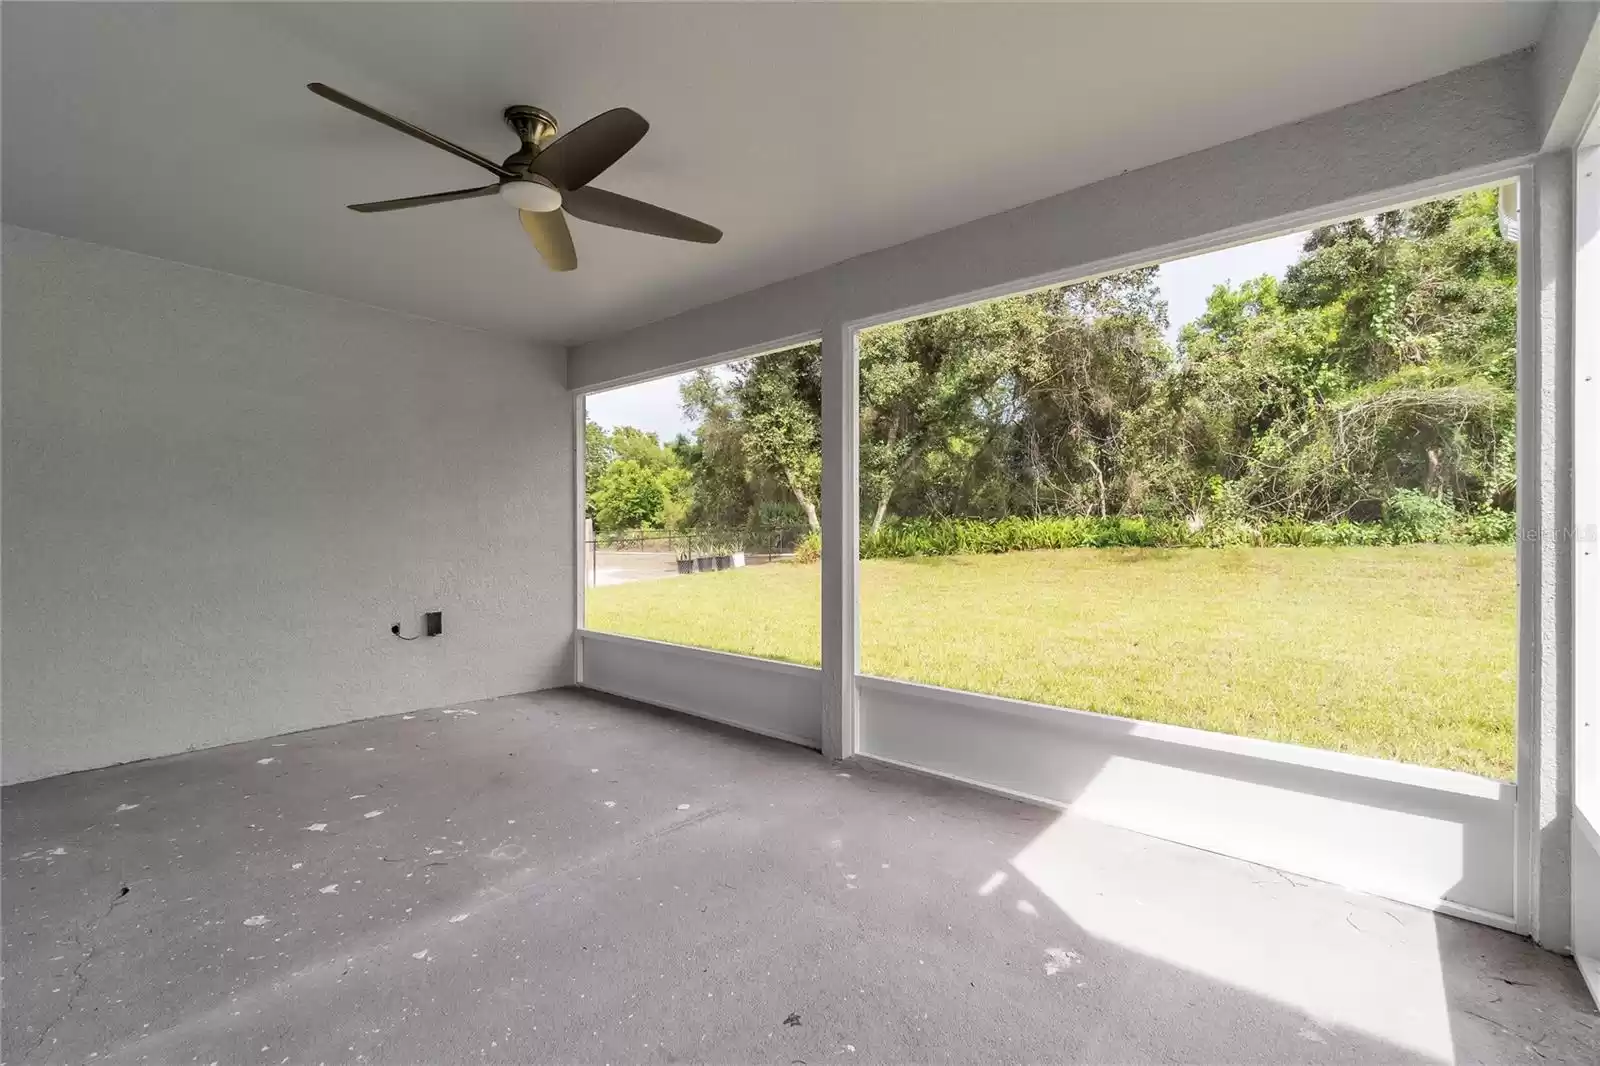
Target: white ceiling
x,y
810,133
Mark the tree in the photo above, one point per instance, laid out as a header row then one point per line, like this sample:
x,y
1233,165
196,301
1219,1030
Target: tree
x,y
778,398
642,484
724,491
631,495
597,455
933,385
1383,362
1081,388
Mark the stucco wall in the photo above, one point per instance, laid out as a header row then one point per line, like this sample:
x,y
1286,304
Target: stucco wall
x,y
219,495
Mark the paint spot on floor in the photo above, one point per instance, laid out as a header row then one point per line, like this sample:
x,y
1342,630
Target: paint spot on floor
x,y
297,866
56,851
1027,908
459,710
372,814
317,827
359,796
329,890
459,918
1058,959
127,807
256,919
683,806
264,762
372,749
407,717
611,803
420,954
996,879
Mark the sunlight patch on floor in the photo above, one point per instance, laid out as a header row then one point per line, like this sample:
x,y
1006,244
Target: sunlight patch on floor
x,y
1348,961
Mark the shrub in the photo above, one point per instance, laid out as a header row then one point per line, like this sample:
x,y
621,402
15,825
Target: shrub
x,y
1412,523
808,549
1490,526
1418,516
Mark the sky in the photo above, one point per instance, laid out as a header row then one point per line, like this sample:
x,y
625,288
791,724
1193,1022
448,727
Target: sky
x,y
1186,283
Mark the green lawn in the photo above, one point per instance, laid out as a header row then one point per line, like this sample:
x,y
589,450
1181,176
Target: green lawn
x,y
1404,653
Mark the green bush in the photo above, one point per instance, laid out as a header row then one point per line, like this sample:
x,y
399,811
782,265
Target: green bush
x,y
1416,514
1490,527
1413,523
808,549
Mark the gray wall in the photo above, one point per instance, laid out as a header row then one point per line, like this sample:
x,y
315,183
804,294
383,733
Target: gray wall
x,y
219,494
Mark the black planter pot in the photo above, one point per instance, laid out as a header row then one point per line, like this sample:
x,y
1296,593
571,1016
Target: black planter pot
x,y
685,566
704,563
724,562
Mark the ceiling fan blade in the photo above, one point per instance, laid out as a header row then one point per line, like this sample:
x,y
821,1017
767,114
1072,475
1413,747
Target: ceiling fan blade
x,y
329,93
623,212
574,160
423,201
551,237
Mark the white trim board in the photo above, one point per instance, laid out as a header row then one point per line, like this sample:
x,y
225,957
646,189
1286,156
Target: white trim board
x,y
1589,968
1106,726
775,699
1324,815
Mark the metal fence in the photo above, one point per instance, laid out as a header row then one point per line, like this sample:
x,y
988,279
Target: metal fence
x,y
640,554
769,542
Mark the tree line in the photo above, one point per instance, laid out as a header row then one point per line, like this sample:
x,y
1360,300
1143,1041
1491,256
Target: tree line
x,y
1374,382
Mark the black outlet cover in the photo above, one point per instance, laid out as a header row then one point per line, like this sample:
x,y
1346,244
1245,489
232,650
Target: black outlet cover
x,y
433,623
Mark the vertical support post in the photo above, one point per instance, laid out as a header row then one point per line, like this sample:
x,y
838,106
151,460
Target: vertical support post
x,y
579,525
1586,564
1545,553
840,537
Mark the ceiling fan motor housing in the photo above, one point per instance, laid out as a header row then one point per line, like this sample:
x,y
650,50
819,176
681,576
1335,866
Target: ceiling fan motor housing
x,y
534,127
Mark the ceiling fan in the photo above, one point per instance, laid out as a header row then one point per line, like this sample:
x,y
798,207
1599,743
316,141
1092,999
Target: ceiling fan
x,y
547,176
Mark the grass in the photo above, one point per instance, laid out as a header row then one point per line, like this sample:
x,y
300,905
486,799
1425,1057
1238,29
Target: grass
x,y
1405,653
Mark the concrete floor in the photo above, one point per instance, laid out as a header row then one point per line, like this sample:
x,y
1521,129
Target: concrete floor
x,y
564,877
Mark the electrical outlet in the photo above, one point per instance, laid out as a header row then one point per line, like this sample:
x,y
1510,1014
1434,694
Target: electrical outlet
x,y
433,623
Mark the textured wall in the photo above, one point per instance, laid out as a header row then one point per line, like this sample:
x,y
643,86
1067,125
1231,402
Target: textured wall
x,y
219,494
1545,554
1567,75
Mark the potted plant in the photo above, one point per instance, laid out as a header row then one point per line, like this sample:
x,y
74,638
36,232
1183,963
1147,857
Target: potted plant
x,y
736,550
685,554
702,557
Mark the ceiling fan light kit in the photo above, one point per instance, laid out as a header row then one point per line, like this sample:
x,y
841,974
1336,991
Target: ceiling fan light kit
x,y
547,178
536,195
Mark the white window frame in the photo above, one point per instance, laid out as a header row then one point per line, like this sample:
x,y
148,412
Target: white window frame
x,y
1586,487
580,398
724,687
